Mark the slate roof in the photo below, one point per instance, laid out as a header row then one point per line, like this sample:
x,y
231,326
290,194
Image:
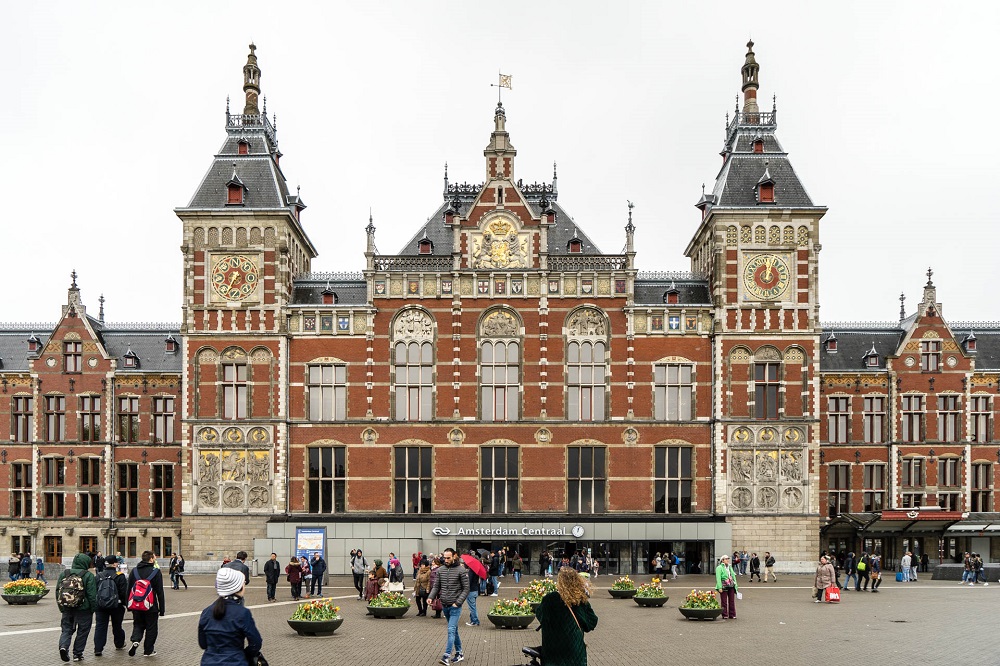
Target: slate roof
x,y
853,344
349,292
14,347
987,353
265,184
690,292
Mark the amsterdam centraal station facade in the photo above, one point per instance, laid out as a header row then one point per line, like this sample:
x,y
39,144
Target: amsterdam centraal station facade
x,y
500,380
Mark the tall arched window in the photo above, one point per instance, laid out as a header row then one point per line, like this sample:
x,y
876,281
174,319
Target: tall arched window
x,y
500,367
413,364
586,366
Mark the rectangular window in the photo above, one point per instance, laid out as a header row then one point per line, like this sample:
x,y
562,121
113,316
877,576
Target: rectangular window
x,y
500,380
838,420
73,356
982,419
412,479
89,505
911,500
163,491
839,484
930,355
163,546
672,485
327,392
874,420
414,380
949,501
912,418
499,479
128,490
127,545
21,482
90,418
913,472
949,472
88,544
328,479
673,391
54,471
90,471
128,420
947,417
586,371
55,418
163,420
234,390
874,487
22,414
765,377
982,486
587,479
55,505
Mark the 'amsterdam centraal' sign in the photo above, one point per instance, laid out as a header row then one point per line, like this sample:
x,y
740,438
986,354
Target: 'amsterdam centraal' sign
x,y
576,531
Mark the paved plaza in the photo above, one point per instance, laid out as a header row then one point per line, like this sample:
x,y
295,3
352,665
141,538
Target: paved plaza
x,y
929,622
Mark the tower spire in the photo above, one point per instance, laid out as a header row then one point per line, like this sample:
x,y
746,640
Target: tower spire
x,y
499,153
251,82
750,84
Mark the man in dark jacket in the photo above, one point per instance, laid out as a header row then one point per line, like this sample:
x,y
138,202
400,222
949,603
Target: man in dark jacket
x,y
99,562
240,564
145,623
318,567
474,581
451,585
116,614
272,571
79,618
494,572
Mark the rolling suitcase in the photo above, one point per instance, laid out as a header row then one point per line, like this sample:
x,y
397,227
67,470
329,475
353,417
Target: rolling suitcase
x,y
899,576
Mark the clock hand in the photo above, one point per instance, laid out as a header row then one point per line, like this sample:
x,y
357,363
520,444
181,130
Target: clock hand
x,y
233,277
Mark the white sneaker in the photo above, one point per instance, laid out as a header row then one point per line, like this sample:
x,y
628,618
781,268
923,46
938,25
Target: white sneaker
x,y
494,595
972,584
986,584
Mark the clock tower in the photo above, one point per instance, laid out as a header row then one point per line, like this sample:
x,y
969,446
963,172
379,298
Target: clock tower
x,y
757,245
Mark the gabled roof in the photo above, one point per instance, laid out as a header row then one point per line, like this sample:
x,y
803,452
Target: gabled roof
x,y
147,341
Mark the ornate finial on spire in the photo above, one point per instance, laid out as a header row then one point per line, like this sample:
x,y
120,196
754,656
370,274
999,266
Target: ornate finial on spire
x,y
298,191
227,105
371,225
251,83
73,275
100,313
930,273
902,306
774,103
750,71
703,189
737,105
264,110
446,180
630,227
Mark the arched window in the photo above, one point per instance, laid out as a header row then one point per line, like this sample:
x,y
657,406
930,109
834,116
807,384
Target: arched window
x,y
586,366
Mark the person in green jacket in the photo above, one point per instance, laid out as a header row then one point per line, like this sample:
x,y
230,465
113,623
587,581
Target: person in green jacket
x,y
726,586
79,618
565,615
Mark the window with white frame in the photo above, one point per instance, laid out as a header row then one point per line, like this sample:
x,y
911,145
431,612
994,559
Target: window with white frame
x,y
587,479
73,357
838,419
982,418
586,378
947,418
766,379
234,390
412,477
55,418
327,480
949,500
838,477
982,487
54,471
128,419
163,490
673,392
23,406
930,355
163,420
128,490
414,380
673,479
913,473
912,417
21,483
873,420
90,418
499,479
327,392
909,500
873,483
499,379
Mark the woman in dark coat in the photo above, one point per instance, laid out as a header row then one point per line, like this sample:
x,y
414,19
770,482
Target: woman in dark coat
x,y
565,615
226,630
294,576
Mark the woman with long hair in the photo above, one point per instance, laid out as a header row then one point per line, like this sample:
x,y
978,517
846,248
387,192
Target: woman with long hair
x,y
226,630
293,574
565,616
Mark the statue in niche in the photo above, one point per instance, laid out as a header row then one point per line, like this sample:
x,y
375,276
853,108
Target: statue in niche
x,y
413,324
500,325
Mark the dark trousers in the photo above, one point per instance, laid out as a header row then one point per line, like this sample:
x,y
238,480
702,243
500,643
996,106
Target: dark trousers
x,y
272,589
421,604
876,583
101,628
316,585
728,599
359,583
145,627
78,621
296,590
862,576
755,572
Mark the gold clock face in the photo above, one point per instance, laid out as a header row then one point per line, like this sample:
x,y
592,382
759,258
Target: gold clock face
x,y
765,277
235,277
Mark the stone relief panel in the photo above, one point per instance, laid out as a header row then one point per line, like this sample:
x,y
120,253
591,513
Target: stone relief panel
x,y
766,469
413,325
587,322
234,469
499,324
499,245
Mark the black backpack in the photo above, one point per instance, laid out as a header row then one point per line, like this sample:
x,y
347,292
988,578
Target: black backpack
x,y
107,591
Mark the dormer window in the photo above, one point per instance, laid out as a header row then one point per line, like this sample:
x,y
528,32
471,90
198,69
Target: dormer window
x,y
34,344
831,344
766,193
575,246
758,145
970,343
871,358
244,147
170,345
130,359
235,196
425,246
329,297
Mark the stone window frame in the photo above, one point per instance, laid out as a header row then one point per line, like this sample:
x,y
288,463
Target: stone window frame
x,y
337,479
161,495
661,413
506,338
509,483
426,342
838,421
317,390
598,496
873,486
420,478
578,340
666,478
981,424
873,421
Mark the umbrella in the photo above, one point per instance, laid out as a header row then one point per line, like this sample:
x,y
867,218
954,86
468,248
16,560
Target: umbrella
x,y
474,564
482,551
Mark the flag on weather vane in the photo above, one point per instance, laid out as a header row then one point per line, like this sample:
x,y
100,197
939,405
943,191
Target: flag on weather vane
x,y
505,82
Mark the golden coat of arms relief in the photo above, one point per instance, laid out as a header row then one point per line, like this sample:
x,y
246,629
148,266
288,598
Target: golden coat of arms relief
x,y
500,246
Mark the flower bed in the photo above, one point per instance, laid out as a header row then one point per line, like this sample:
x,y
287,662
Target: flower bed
x,y
389,600
623,583
511,614
701,605
534,592
317,611
25,586
650,590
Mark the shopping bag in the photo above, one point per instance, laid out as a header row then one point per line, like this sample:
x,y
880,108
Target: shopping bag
x,y
395,587
833,595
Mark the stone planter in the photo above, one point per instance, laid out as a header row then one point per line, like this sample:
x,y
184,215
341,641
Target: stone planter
x,y
23,599
700,613
316,627
388,612
651,602
511,621
622,594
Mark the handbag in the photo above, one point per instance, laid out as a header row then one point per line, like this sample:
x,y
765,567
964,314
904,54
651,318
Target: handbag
x,y
436,605
260,661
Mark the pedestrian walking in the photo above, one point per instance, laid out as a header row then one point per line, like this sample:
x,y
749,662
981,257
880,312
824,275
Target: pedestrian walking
x,y
422,588
271,572
40,570
14,566
516,565
436,603
674,564
147,603
727,587
754,567
172,570
494,572
226,630
564,617
76,596
180,571
914,566
415,560
876,571
544,560
293,574
826,576
98,563
359,565
318,567
769,567
473,597
112,594
451,586
864,573
26,564
851,569
925,562
240,564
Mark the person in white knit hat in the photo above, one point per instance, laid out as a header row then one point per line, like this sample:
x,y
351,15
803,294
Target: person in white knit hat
x,y
226,630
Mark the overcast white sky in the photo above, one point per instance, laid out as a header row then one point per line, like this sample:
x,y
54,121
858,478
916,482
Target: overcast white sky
x,y
111,112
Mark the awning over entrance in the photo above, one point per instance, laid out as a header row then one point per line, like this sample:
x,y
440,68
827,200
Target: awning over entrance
x,y
976,523
899,521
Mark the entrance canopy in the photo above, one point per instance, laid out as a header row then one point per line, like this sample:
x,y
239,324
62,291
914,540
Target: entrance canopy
x,y
900,521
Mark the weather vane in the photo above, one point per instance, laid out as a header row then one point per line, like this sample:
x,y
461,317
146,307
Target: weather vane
x,y
504,83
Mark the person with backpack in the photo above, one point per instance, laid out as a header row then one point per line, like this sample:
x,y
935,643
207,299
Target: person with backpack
x,y
76,596
112,593
40,570
147,603
26,563
864,573
226,630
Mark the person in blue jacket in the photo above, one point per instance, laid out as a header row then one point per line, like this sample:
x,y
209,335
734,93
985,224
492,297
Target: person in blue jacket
x,y
226,630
